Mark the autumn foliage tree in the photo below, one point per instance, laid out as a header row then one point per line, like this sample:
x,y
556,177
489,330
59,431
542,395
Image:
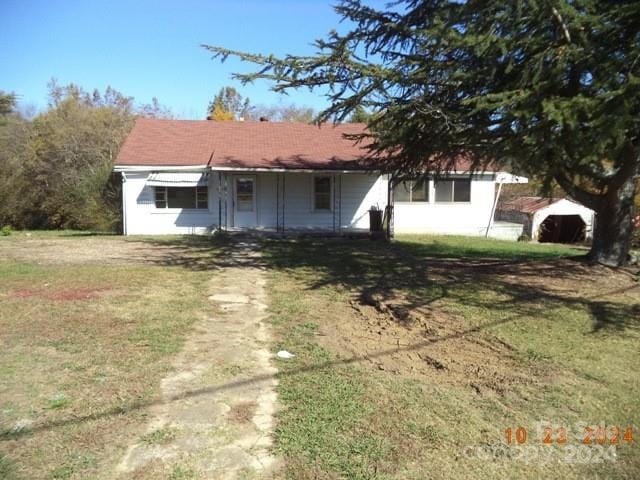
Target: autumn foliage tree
x,y
56,169
227,105
550,88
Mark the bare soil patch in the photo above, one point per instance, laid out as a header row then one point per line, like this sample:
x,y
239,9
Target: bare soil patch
x,y
398,334
242,412
98,250
425,343
66,295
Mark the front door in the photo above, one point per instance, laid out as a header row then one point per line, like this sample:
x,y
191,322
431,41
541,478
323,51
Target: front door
x,y
244,201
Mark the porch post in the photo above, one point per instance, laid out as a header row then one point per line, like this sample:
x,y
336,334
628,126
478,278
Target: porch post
x,y
389,209
334,206
226,199
340,202
219,201
277,202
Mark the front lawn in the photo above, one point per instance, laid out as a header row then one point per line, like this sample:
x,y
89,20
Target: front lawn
x,y
88,327
413,359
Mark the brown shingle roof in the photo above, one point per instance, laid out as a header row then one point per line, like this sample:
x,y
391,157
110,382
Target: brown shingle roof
x,y
278,145
242,145
526,204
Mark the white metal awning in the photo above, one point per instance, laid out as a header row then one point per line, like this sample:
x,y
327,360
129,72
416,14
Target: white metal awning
x,y
177,179
504,177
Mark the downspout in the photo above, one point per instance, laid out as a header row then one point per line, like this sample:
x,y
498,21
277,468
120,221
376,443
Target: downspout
x,y
277,202
284,199
124,205
493,210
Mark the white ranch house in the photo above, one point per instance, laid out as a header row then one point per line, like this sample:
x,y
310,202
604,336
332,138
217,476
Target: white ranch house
x,y
192,177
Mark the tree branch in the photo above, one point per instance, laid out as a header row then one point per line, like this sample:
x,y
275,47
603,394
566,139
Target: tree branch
x,y
563,25
589,199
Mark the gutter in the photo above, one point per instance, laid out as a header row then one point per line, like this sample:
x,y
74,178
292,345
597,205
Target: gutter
x,y
147,168
142,168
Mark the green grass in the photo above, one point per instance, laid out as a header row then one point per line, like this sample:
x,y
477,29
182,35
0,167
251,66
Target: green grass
x,y
160,436
327,405
181,473
85,345
460,247
575,343
58,401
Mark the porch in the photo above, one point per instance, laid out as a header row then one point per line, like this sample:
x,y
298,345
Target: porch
x,y
296,202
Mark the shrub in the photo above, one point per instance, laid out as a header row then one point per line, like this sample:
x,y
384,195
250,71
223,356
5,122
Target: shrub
x,y
6,231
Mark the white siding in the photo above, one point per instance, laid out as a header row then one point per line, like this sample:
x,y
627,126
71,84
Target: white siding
x,y
143,218
355,193
359,194
469,218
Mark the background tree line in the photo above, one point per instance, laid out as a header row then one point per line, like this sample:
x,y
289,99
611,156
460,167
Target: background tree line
x,y
56,168
230,105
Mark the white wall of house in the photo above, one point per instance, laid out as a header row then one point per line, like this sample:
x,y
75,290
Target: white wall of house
x,y
564,207
353,194
459,218
143,218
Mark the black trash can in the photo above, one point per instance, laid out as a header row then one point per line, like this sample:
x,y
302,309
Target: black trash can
x,y
375,223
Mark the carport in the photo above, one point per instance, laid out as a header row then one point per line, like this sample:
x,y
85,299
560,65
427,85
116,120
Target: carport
x,y
557,220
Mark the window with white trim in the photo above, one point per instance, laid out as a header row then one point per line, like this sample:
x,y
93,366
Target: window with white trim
x,y
322,193
411,191
182,197
457,190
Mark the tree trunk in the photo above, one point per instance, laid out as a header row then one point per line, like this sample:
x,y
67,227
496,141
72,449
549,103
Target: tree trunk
x,y
614,226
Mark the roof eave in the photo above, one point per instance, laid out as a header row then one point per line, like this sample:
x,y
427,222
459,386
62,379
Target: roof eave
x,y
146,168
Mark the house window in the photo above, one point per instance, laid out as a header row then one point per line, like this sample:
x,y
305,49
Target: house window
x,y
458,190
411,191
322,193
161,197
244,194
182,197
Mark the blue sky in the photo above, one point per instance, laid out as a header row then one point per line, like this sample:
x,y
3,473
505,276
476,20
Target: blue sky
x,y
146,48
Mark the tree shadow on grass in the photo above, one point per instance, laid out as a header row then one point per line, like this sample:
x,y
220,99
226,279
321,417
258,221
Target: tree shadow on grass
x,y
506,276
509,281
229,386
365,266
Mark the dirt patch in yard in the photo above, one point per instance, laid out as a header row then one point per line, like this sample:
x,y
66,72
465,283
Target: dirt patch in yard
x,y
192,252
242,412
408,336
60,295
425,342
